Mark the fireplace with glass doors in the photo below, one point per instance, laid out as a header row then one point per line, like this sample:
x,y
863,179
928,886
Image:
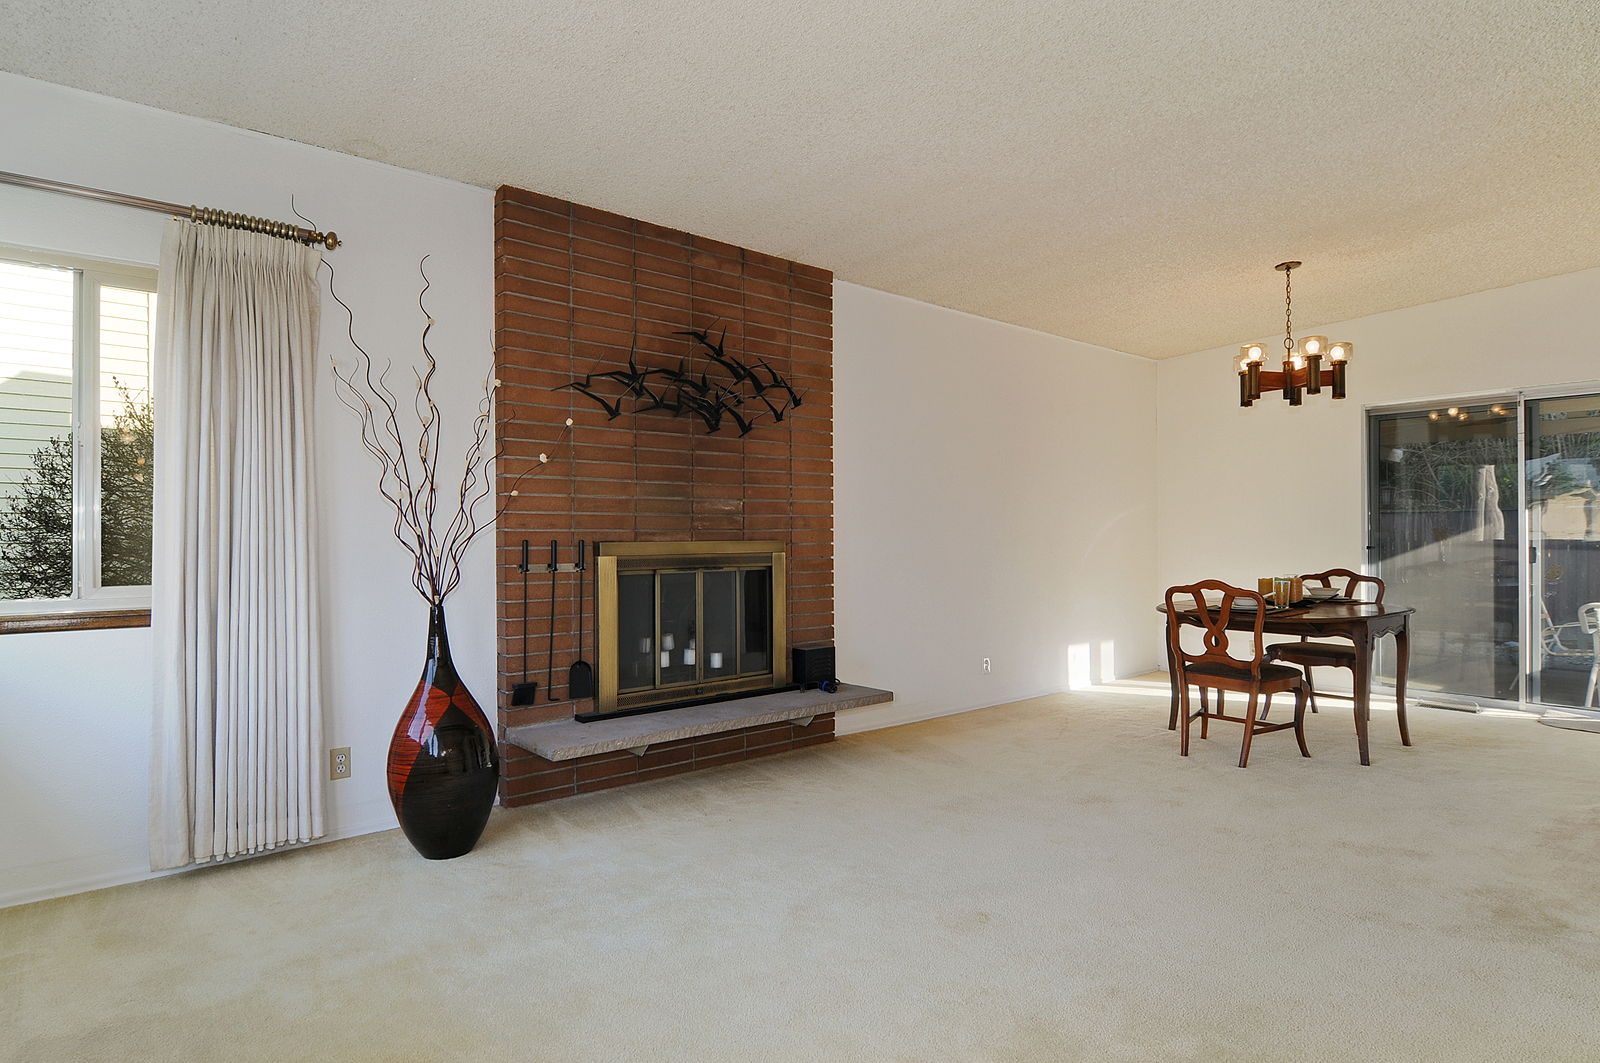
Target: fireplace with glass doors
x,y
682,623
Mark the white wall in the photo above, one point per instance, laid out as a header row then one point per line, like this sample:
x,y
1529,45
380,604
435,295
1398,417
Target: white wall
x,y
993,497
75,706
1272,489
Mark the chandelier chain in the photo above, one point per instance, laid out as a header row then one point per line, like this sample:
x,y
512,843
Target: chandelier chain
x,y
1288,320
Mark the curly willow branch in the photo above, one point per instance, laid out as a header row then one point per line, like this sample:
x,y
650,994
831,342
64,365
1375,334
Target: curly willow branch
x,y
411,486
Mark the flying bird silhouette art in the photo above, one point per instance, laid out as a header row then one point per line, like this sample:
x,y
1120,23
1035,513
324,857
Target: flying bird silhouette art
x,y
681,392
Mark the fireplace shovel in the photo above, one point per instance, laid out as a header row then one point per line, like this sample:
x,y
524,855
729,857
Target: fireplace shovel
x,y
580,677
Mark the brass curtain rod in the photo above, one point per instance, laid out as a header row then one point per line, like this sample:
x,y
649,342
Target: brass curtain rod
x,y
199,215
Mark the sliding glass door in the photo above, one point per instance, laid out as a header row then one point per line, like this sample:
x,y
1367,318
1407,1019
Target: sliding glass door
x,y
1485,517
1443,536
1562,468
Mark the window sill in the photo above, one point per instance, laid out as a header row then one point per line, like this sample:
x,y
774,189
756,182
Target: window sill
x,y
20,623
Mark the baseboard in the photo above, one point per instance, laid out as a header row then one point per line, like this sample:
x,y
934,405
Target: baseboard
x,y
894,714
899,713
87,884
127,876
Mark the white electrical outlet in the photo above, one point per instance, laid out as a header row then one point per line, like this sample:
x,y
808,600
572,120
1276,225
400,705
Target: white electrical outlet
x,y
986,668
339,763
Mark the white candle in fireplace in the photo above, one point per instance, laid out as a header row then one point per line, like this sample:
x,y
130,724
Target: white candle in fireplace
x,y
644,647
666,658
688,654
666,641
716,660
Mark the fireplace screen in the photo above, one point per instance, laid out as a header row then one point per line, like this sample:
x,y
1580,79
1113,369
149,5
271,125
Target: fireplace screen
x,y
688,621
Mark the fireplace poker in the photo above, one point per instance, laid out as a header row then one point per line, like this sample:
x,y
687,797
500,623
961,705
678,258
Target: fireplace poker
x,y
550,654
524,693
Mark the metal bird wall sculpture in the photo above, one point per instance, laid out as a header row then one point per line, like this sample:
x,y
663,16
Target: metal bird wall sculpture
x,y
679,392
633,378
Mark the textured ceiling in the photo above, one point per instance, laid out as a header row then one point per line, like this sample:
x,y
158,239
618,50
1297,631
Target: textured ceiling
x,y
1123,172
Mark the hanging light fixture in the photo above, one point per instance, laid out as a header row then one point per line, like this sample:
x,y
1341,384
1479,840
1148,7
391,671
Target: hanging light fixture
x,y
1302,372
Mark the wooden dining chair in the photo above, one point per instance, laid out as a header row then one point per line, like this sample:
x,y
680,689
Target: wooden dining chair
x,y
1215,669
1342,654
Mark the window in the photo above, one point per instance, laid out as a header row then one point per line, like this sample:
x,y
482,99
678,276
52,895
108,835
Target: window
x,y
76,434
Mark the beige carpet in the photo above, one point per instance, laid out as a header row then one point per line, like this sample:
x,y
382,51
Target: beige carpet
x,y
1040,881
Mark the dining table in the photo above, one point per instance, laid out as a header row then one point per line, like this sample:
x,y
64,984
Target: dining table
x,y
1363,623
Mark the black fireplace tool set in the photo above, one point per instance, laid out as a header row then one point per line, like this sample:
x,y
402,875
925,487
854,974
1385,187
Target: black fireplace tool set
x,y
580,676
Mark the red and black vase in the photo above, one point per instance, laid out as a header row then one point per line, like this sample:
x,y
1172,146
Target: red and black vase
x,y
443,771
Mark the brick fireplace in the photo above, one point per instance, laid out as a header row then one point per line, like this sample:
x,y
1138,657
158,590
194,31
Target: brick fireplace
x,y
577,290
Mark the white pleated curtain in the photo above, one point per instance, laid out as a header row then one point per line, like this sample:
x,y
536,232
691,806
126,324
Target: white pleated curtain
x,y
238,720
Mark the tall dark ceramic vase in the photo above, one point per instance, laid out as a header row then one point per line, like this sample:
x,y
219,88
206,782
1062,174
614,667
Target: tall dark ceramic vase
x,y
443,771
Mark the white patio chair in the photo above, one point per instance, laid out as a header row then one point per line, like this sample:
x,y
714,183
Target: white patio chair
x,y
1589,620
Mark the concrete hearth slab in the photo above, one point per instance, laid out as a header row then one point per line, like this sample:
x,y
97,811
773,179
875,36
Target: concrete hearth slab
x,y
568,739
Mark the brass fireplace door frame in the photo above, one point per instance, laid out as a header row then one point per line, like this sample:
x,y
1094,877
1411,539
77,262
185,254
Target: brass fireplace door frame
x,y
614,558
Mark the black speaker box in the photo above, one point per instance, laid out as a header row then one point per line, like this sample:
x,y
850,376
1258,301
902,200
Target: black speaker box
x,y
813,665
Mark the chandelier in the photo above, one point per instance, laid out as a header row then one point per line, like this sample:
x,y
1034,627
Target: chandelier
x,y
1302,372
